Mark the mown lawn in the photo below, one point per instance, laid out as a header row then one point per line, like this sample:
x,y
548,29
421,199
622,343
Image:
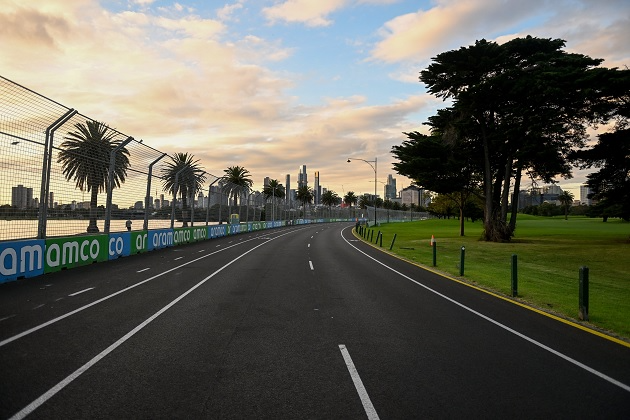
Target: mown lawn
x,y
550,252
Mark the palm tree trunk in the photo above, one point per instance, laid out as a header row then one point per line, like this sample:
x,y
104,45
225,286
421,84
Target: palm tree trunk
x,y
92,227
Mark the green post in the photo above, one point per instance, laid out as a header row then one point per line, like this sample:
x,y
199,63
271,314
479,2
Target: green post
x,y
381,241
377,236
514,275
461,260
393,240
434,253
583,312
371,235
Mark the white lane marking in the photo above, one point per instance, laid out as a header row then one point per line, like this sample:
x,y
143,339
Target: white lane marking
x,y
358,384
178,258
74,375
309,245
498,324
6,317
39,306
310,263
203,250
144,269
96,302
80,291
311,237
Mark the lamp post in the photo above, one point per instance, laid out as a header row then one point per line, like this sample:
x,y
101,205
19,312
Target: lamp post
x,y
374,167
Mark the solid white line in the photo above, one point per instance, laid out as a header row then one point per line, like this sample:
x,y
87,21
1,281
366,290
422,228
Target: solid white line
x,y
358,384
144,269
498,324
80,291
74,375
96,302
311,264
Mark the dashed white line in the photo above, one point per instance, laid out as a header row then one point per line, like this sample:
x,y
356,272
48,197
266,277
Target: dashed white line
x,y
311,264
70,378
39,306
6,317
144,269
201,250
309,245
358,384
80,291
178,258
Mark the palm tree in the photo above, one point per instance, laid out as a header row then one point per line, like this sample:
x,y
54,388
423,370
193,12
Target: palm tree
x,y
350,198
189,181
273,189
305,195
330,198
566,199
85,157
235,182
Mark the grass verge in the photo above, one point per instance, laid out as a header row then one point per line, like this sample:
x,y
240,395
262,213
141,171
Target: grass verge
x,y
550,252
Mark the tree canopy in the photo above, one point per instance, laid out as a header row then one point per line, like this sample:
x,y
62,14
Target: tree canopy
x,y
521,106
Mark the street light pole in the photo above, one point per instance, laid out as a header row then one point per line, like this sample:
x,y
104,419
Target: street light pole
x,y
374,167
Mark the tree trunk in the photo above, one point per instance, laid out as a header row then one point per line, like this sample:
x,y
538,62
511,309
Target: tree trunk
x,y
92,226
185,214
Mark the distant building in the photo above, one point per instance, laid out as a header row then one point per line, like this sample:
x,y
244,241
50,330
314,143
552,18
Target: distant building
x,y
287,188
414,195
390,188
584,193
317,192
302,177
21,197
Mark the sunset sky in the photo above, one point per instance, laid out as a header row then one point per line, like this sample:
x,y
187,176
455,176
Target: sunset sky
x,y
272,85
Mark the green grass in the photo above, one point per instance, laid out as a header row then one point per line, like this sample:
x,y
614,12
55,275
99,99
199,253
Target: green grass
x,y
550,252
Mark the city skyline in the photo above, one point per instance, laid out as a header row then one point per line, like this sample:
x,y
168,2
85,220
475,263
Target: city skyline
x,y
269,85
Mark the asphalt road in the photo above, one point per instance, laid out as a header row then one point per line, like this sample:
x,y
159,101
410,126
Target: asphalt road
x,y
292,323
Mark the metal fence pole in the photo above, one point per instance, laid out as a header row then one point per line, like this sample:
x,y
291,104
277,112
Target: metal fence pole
x,y
110,183
46,168
145,226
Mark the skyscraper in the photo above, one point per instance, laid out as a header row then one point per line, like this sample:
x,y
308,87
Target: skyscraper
x,y
287,186
302,178
390,188
316,190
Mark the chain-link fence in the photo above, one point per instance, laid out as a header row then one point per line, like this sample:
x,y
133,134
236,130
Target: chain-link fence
x,y
63,173
393,216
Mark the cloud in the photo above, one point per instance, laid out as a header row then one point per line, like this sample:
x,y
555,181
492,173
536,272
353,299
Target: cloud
x,y
596,29
226,13
311,13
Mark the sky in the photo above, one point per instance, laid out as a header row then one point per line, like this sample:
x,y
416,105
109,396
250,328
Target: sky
x,y
273,85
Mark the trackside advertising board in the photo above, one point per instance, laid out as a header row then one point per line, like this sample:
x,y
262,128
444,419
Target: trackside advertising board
x,y
30,258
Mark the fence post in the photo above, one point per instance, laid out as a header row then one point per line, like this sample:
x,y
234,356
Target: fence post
x,y
44,194
110,183
393,240
583,310
514,275
461,260
147,204
209,201
434,253
381,241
